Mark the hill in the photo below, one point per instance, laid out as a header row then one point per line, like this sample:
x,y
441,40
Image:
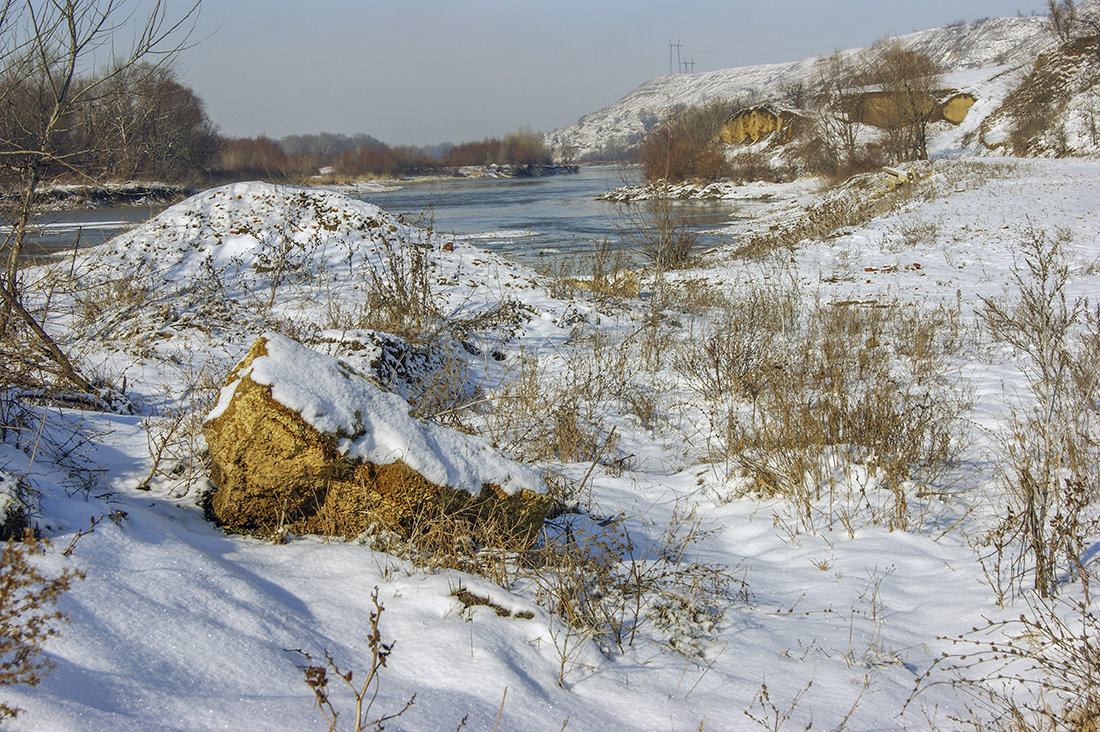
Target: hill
x,y
998,45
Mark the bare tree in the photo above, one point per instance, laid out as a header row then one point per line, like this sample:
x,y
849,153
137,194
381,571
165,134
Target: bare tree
x,y
1062,16
831,140
1071,22
146,123
908,81
685,145
46,48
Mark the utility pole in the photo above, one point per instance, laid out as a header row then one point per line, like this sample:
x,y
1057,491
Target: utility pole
x,y
671,46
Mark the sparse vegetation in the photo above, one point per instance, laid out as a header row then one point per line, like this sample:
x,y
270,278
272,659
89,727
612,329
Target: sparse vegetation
x,y
27,613
1037,672
664,407
808,400
364,694
1050,453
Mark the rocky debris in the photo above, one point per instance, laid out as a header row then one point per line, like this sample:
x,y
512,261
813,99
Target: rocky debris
x,y
301,442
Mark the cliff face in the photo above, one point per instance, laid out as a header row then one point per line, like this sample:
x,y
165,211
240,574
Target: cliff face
x,y
751,124
879,109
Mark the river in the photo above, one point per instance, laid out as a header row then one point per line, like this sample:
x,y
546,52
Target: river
x,y
534,220
539,220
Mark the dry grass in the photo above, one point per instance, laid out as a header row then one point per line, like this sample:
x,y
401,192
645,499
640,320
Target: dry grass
x,y
615,587
541,415
603,273
835,407
854,202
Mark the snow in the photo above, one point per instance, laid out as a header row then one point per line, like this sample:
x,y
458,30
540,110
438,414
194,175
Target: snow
x,y
372,425
179,626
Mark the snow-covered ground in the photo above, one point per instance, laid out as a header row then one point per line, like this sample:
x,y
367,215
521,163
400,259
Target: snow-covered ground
x,y
178,625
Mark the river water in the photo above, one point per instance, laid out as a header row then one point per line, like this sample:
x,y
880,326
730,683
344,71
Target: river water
x,y
539,220
534,220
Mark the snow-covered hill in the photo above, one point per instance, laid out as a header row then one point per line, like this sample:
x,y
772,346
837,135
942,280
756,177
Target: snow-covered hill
x,y
993,42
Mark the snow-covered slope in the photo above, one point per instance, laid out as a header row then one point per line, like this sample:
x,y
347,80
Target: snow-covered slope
x,y
991,42
181,626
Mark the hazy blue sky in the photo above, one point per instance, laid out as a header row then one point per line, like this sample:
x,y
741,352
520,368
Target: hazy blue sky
x,y
424,71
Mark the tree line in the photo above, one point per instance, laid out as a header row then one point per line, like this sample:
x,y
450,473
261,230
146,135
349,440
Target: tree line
x,y
67,116
141,122
350,156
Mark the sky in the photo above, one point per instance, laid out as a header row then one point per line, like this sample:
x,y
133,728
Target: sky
x,y
429,71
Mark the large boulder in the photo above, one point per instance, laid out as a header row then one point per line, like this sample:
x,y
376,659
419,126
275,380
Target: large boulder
x,y
301,441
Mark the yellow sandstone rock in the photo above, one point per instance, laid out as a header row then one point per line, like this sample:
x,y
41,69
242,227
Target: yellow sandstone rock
x,y
272,467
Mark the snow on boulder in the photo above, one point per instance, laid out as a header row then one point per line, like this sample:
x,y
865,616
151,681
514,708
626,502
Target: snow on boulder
x,y
301,441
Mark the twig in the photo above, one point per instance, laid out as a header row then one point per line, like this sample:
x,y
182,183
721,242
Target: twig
x,y
501,710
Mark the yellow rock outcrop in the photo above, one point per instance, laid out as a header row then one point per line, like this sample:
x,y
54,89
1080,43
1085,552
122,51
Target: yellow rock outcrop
x,y
273,470
750,125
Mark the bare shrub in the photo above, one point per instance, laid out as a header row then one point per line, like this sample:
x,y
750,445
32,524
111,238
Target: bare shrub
x,y
27,614
914,233
1034,673
754,165
743,349
615,587
685,145
1050,457
659,230
400,297
364,694
177,449
831,417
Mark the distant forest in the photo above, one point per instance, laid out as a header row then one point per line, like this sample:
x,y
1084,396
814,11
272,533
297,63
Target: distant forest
x,y
144,124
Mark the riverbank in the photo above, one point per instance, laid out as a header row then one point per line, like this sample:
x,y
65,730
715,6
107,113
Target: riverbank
x,y
724,190
73,196
465,172
67,197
